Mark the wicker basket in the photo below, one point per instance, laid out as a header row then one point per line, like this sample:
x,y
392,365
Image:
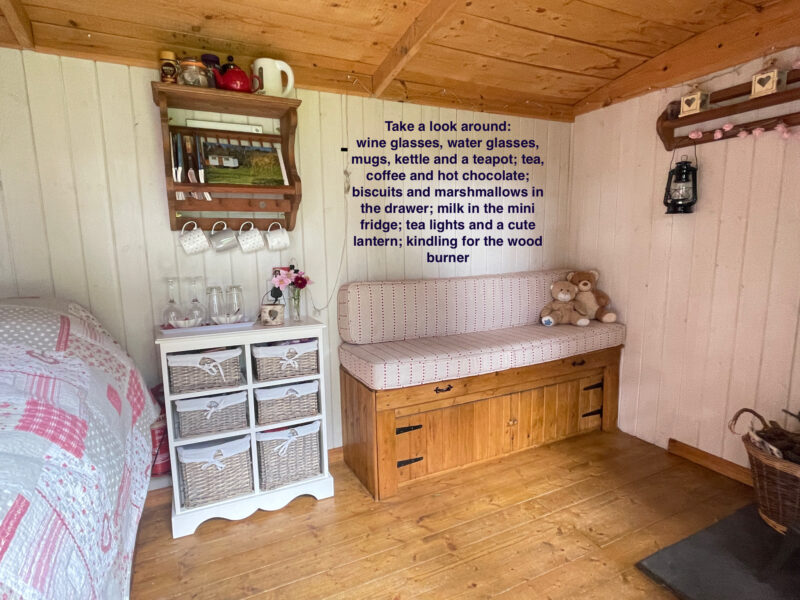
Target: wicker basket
x,y
287,402
215,471
211,414
285,361
288,455
191,372
776,482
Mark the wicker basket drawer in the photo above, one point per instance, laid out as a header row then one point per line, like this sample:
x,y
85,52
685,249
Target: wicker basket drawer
x,y
215,471
286,360
193,371
287,402
211,414
289,455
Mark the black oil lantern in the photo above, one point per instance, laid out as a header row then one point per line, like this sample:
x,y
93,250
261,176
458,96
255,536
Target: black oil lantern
x,y
681,193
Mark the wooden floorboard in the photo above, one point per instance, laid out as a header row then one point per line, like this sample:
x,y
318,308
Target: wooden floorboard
x,y
568,520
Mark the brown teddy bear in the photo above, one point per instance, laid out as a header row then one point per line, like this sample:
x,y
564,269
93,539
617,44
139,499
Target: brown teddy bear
x,y
564,308
595,301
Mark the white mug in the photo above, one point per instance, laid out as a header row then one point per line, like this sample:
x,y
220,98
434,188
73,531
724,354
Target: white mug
x,y
224,239
278,239
193,241
250,240
269,71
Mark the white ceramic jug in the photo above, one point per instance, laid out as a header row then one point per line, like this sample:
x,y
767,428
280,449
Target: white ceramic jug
x,y
269,71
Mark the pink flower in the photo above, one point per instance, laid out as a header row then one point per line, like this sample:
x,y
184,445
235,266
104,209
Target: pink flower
x,y
299,282
758,131
696,134
727,127
282,280
718,134
743,133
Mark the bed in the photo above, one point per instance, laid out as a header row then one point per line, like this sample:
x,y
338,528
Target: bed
x,y
75,454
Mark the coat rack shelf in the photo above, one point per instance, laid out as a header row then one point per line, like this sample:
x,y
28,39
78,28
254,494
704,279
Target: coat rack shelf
x,y
669,121
238,198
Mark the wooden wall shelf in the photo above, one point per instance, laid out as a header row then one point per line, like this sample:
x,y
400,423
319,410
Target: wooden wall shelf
x,y
669,121
243,198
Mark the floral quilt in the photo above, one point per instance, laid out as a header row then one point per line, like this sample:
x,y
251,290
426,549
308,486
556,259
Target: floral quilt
x,y
75,454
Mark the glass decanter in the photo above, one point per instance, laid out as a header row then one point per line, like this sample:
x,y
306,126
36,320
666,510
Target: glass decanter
x,y
196,313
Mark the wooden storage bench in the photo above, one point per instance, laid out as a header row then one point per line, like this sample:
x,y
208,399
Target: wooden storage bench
x,y
403,421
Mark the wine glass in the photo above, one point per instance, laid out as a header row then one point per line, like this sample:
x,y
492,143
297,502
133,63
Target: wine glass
x,y
214,303
172,312
196,311
234,303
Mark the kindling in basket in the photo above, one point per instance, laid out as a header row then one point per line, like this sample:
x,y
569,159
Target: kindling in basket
x,y
776,481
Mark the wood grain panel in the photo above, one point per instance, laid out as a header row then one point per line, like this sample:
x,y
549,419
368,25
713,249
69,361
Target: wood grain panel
x,y
432,61
254,24
7,38
683,14
586,22
698,345
774,27
518,44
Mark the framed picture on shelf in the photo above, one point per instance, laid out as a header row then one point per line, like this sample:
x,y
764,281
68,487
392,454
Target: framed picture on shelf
x,y
228,161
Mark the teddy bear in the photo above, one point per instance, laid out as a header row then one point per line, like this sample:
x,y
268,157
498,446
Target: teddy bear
x,y
563,308
595,301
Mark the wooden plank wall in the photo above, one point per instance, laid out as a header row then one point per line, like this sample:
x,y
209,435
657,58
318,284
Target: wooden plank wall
x,y
710,299
83,211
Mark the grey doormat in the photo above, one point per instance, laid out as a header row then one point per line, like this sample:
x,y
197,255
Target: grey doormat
x,y
727,562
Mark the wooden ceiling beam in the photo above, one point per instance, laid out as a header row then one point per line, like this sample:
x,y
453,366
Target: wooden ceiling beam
x,y
409,43
18,21
776,27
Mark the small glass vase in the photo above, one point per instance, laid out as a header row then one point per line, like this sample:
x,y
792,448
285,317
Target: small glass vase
x,y
293,303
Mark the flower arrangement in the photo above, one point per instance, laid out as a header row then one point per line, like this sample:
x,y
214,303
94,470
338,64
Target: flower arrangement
x,y
291,281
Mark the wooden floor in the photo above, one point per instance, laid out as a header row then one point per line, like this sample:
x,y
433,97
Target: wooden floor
x,y
565,521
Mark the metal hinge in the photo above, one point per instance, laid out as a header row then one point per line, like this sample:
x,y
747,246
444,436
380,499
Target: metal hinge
x,y
406,429
408,461
594,386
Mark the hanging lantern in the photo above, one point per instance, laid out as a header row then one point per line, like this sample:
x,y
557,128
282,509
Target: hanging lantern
x,y
680,195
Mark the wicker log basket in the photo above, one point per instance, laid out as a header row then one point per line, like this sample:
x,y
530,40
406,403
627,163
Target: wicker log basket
x,y
776,481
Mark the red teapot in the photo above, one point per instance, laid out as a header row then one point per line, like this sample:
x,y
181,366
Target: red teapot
x,y
231,77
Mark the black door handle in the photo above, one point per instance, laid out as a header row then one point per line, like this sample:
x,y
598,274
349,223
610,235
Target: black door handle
x,y
578,363
439,390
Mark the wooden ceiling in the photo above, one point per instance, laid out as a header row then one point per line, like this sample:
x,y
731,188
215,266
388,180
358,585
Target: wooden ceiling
x,y
543,58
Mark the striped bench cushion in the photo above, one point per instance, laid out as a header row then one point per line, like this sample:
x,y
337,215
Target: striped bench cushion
x,y
403,363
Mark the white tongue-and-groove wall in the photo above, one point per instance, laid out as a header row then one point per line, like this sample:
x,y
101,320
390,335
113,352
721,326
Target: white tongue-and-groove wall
x,y
710,299
83,211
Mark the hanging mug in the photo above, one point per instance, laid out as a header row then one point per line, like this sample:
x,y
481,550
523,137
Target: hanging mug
x,y
278,239
193,241
224,239
269,71
250,240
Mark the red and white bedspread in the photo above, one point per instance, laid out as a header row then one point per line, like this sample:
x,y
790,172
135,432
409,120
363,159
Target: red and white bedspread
x,y
74,454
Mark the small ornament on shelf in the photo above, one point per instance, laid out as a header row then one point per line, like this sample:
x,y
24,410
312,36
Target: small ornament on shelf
x,y
768,82
272,307
694,102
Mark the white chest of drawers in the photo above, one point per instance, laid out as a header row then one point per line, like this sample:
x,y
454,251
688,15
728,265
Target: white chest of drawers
x,y
186,519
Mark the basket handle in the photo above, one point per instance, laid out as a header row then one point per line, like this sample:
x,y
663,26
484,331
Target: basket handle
x,y
739,413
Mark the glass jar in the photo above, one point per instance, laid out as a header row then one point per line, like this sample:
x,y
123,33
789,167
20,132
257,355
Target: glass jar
x,y
193,72
234,302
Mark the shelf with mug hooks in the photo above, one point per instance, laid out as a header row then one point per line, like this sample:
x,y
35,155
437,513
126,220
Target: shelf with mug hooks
x,y
230,197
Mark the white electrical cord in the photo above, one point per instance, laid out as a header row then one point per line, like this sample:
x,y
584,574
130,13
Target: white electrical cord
x,y
345,165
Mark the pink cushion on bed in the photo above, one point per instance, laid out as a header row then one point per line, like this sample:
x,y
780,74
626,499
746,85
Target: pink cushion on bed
x,y
385,311
396,364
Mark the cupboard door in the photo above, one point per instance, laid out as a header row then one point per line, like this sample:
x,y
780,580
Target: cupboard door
x,y
591,401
